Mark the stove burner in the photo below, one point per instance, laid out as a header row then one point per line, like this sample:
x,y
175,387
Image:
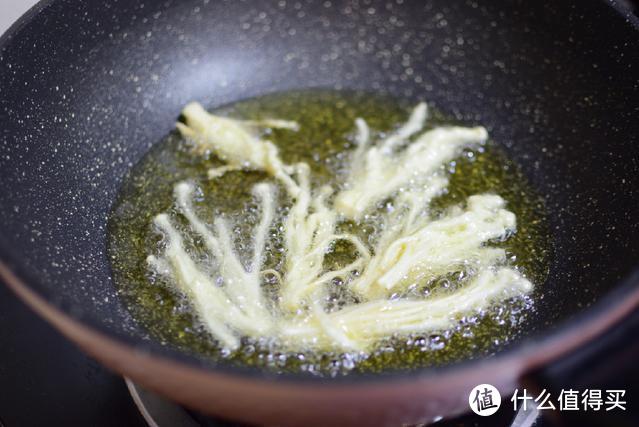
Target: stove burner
x,y
161,412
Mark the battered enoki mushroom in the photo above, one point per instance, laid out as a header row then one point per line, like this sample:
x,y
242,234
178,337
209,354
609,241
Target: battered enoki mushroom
x,y
377,172
309,233
235,142
238,307
359,326
413,248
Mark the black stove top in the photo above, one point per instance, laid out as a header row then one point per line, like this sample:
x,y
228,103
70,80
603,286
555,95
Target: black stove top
x,y
46,380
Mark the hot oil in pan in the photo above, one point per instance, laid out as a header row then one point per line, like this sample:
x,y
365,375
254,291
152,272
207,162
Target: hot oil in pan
x,y
324,140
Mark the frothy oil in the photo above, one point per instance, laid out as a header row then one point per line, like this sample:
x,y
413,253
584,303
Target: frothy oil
x,y
324,141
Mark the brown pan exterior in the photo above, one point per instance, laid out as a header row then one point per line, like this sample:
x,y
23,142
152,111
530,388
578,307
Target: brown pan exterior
x,y
389,401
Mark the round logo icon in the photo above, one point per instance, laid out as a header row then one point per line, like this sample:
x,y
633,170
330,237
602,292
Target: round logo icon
x,y
484,400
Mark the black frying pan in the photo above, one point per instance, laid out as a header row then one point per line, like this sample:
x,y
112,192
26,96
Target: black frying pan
x,y
86,87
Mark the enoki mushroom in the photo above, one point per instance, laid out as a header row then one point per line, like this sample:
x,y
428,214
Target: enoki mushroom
x,y
414,247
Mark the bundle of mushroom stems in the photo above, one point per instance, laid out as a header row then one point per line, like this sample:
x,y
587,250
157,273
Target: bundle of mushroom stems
x,y
406,170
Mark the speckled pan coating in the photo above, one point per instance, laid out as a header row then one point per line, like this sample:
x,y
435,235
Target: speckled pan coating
x,y
86,87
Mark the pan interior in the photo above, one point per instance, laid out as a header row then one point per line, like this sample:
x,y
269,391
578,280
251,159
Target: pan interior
x,y
324,140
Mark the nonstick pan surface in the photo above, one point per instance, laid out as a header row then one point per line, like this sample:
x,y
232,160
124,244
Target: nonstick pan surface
x,y
87,87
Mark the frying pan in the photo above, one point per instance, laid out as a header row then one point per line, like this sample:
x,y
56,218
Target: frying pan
x,y
86,87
